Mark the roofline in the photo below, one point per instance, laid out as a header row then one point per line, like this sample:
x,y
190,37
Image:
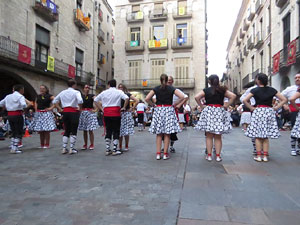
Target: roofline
x,y
238,22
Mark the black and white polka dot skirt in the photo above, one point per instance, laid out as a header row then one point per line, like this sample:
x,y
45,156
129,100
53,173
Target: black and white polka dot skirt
x,y
245,118
214,120
88,121
296,129
127,124
43,121
263,124
164,121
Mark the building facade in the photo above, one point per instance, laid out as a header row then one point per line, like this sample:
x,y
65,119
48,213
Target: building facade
x,y
155,37
48,42
285,43
260,42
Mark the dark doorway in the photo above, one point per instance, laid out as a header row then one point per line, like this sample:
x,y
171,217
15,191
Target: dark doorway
x,y
8,80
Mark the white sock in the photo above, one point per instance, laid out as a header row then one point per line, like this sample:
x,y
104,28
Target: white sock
x,y
72,141
65,141
107,142
116,142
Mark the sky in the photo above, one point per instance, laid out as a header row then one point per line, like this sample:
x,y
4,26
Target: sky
x,y
221,16
221,19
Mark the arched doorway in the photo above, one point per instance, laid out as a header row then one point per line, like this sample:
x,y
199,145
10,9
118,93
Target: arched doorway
x,y
8,80
285,82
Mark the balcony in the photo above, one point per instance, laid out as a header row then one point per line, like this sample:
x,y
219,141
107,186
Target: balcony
x,y
188,83
100,15
259,40
182,12
238,64
245,80
281,3
9,53
246,52
182,43
161,44
101,59
82,22
246,25
158,14
238,41
101,34
250,13
113,53
132,46
242,33
241,57
250,43
255,73
135,17
283,57
47,10
258,6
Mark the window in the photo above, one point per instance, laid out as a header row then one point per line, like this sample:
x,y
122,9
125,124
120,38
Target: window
x,y
157,68
253,30
261,28
286,30
79,4
135,34
135,70
158,8
181,30
182,4
107,36
158,32
252,66
79,62
262,61
136,8
42,44
107,18
182,68
107,56
98,73
99,51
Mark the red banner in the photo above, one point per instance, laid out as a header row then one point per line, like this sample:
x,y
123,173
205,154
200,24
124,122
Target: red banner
x,y
71,71
24,54
276,61
292,46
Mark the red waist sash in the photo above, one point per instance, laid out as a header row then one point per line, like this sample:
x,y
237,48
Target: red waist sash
x,y
113,111
140,112
215,105
15,113
42,110
163,105
292,108
263,106
70,109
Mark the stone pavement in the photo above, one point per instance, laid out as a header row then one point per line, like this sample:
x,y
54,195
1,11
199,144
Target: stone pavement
x,y
44,187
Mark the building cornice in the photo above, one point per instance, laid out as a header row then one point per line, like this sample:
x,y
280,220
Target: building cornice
x,y
238,22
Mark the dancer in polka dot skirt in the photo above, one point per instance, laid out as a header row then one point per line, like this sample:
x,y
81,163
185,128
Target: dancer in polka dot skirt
x,y
263,123
164,120
214,119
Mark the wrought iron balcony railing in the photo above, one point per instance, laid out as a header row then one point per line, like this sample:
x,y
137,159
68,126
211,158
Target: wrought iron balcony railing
x,y
9,49
49,11
182,43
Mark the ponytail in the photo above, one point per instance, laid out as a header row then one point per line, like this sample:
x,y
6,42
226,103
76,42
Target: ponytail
x,y
215,84
163,81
